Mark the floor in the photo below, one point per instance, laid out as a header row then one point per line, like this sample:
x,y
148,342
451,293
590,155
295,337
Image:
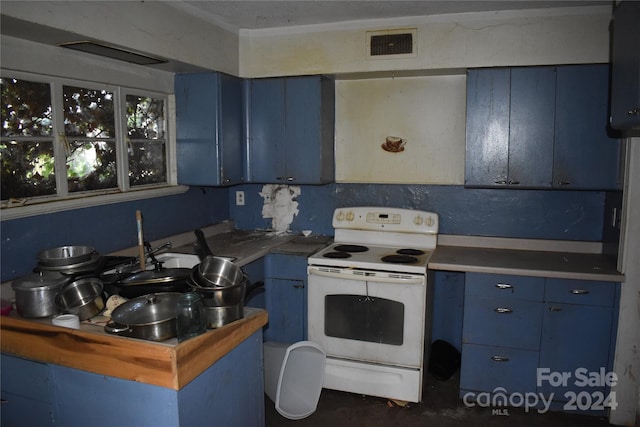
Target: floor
x,y
441,407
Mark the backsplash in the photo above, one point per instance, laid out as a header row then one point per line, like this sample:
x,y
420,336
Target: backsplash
x,y
532,214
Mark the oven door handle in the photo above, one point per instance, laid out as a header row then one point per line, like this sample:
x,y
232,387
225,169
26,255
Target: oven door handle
x,y
413,279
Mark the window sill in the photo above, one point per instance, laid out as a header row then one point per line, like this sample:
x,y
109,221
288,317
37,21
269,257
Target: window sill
x,y
40,208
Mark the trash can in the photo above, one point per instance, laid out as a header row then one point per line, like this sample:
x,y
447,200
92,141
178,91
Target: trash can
x,y
293,376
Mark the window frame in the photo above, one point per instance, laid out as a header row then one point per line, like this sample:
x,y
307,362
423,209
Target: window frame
x,y
63,200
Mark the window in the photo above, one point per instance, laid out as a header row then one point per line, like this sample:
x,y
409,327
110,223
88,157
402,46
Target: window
x,y
63,139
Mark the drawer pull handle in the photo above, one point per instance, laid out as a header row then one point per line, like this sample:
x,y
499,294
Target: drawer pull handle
x,y
504,286
579,291
554,309
503,310
298,286
497,358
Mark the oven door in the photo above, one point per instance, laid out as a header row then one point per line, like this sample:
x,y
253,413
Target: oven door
x,y
367,316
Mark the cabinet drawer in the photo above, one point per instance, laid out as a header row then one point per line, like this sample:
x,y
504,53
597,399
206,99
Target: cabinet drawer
x,y
504,286
580,292
486,368
503,322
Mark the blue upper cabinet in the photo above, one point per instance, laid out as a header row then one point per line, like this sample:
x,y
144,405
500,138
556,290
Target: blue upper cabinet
x,y
291,130
625,75
209,129
584,157
531,126
488,98
540,127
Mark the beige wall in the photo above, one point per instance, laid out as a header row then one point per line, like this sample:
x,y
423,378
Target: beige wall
x,y
428,112
532,37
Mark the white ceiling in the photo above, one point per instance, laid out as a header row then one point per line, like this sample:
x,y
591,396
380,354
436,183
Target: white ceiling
x,y
241,14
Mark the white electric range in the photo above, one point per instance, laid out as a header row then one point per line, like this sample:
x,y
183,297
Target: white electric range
x,y
369,301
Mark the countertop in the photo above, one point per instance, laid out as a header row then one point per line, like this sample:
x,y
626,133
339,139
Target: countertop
x,y
242,245
567,265
167,364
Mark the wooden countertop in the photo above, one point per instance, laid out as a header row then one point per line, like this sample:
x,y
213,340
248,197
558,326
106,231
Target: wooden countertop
x,y
567,265
167,364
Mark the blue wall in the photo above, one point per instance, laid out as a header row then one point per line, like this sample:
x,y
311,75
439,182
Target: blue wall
x,y
109,227
534,214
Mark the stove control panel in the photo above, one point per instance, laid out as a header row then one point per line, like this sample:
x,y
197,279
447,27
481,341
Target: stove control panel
x,y
383,218
386,219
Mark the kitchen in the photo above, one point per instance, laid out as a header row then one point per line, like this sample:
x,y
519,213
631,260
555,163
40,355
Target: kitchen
x,y
446,47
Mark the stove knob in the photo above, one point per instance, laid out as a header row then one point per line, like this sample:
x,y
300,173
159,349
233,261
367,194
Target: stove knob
x,y
340,216
418,220
429,221
350,216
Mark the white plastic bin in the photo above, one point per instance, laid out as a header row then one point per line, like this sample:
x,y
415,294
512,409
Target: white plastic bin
x,y
293,376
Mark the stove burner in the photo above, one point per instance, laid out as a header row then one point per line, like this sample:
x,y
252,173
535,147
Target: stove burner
x,y
399,259
337,255
351,248
414,252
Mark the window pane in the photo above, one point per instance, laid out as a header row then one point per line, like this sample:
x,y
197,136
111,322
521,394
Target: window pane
x,y
26,108
147,163
88,113
145,118
27,169
91,165
147,146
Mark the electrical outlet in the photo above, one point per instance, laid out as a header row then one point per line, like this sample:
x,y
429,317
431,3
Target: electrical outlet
x,y
239,198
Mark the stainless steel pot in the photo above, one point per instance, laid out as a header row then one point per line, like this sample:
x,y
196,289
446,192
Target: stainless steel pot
x,y
218,272
65,256
148,317
36,293
217,317
220,296
82,297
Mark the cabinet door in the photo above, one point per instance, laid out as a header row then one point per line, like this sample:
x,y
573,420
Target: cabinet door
x,y
230,130
208,131
309,119
487,150
291,130
267,130
574,337
27,393
531,126
625,58
285,300
584,155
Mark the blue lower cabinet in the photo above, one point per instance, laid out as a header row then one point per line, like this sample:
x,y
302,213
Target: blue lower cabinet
x,y
229,393
558,348
578,340
501,322
27,393
498,369
286,297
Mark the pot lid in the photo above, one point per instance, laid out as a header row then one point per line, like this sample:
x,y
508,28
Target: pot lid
x,y
163,275
147,309
42,280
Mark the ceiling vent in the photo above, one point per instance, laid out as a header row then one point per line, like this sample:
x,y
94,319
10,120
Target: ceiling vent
x,y
113,52
391,43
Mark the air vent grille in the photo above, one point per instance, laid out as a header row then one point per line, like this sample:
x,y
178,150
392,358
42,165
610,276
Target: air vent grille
x,y
398,43
392,44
